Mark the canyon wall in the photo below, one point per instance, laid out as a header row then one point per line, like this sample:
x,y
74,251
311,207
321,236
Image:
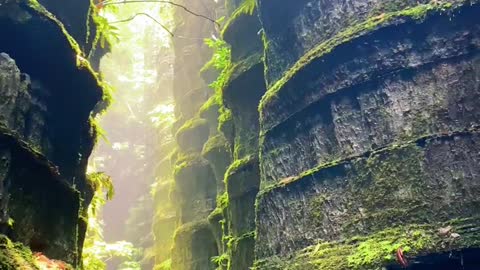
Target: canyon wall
x,y
47,94
343,135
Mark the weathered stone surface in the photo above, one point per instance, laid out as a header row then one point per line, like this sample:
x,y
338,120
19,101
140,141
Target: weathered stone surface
x,y
242,253
23,108
436,98
193,135
424,182
424,80
45,133
46,223
194,246
242,95
408,45
243,34
217,152
51,60
242,180
196,188
297,26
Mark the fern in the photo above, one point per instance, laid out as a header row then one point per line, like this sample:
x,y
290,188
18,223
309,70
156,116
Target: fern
x,y
221,60
106,34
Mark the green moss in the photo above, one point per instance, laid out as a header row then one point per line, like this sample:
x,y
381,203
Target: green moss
x,y
190,125
41,10
185,160
213,103
221,261
189,229
238,165
246,8
378,250
373,156
214,143
15,255
193,134
166,265
416,13
194,246
225,124
239,68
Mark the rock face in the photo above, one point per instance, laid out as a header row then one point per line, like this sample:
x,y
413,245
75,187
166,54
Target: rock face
x,y
353,135
194,190
368,128
46,99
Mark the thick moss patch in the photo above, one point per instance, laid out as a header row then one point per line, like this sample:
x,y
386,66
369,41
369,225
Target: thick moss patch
x,y
378,250
14,256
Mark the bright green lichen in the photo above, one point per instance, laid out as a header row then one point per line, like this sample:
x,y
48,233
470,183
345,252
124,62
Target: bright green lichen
x,y
416,13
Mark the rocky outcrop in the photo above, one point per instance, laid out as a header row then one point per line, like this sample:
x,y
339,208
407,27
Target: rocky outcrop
x,y
195,181
351,128
368,133
47,93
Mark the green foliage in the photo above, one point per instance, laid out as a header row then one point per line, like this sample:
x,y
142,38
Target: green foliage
x,y
246,8
221,54
166,265
221,60
221,261
106,34
15,255
96,251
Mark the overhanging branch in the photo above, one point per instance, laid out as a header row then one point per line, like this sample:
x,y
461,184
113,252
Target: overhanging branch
x,y
147,15
110,2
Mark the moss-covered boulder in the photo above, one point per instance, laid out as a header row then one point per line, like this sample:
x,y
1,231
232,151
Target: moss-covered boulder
x,y
241,253
241,95
217,152
195,187
193,135
210,111
194,246
242,31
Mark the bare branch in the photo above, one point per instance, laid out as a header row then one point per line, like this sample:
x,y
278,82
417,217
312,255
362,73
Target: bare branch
x,y
110,2
147,15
